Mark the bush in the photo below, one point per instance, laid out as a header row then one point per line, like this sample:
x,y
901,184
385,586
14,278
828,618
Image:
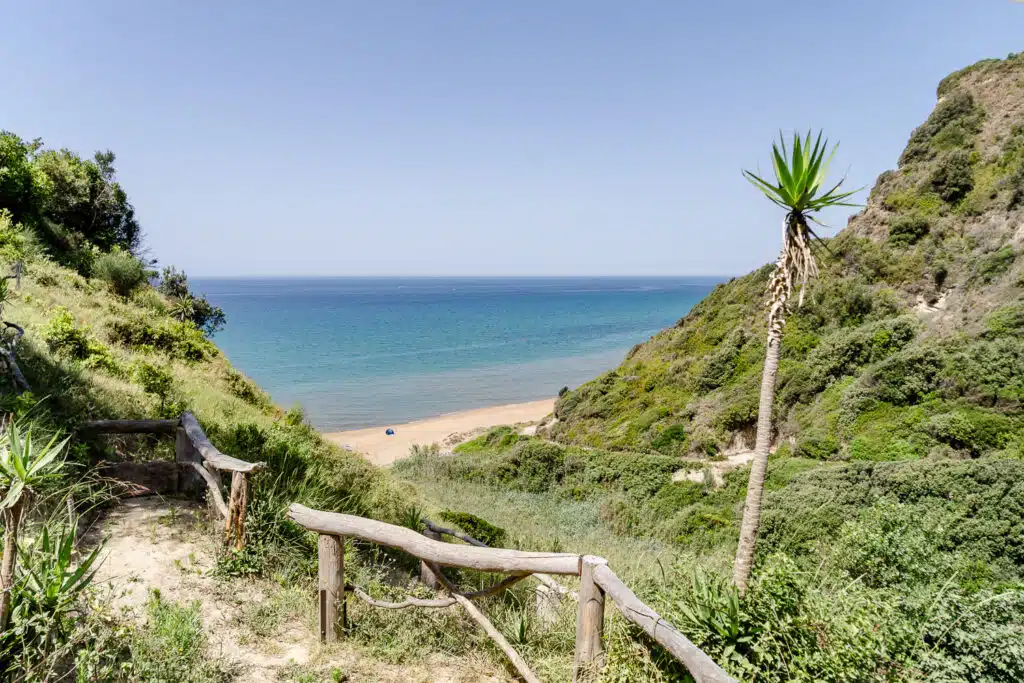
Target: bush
x,y
907,377
671,439
122,271
907,230
533,466
176,339
996,263
952,179
476,527
953,123
63,337
1016,186
988,371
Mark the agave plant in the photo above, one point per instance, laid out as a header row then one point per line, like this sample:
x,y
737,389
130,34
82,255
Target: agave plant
x,y
24,466
799,189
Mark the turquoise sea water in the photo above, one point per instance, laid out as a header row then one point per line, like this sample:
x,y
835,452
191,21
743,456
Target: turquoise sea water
x,y
359,352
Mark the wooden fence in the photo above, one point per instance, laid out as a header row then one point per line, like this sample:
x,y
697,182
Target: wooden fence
x,y
199,463
202,464
597,581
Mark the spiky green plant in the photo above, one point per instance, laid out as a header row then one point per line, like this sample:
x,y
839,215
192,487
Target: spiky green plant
x,y
24,465
799,188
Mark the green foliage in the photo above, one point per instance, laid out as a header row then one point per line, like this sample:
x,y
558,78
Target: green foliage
x,y
154,380
46,601
906,230
953,179
187,307
176,339
800,177
172,646
122,271
667,440
954,123
476,527
995,263
906,377
721,365
66,339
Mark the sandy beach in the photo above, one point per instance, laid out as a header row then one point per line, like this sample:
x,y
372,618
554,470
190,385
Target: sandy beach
x,y
381,449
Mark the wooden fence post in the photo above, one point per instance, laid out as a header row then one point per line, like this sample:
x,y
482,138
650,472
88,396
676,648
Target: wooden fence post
x,y
238,505
589,657
332,587
426,573
189,480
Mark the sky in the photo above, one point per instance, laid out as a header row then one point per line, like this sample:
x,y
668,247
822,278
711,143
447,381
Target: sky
x,y
476,137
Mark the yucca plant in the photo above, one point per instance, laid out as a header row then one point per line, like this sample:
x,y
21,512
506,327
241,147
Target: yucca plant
x,y
799,188
24,466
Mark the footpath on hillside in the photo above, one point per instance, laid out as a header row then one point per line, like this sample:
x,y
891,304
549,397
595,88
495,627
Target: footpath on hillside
x,y
258,630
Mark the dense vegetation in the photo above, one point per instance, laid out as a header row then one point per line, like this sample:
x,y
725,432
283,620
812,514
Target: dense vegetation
x,y
891,541
106,336
892,546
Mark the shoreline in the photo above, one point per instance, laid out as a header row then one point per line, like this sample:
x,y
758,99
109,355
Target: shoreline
x,y
382,450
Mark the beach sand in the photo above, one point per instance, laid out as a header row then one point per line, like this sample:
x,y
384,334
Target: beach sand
x,y
381,449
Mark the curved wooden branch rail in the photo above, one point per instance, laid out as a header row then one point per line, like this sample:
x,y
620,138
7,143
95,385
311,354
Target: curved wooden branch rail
x,y
446,554
202,462
596,580
211,455
549,582
701,667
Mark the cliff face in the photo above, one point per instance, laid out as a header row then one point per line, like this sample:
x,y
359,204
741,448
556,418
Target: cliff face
x,y
907,345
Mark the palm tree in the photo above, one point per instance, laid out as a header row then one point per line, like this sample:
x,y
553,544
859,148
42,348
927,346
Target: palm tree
x,y
23,467
798,190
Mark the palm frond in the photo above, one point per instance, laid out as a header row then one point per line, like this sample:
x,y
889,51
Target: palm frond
x,y
800,173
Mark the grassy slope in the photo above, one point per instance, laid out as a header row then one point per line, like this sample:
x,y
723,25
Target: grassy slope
x,y
109,380
942,230
891,544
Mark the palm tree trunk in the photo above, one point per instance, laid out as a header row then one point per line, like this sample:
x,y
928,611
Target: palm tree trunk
x,y
755,486
12,520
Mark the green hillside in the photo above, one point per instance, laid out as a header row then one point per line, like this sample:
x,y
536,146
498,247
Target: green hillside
x,y
907,346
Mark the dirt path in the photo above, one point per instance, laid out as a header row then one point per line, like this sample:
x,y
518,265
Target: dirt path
x,y
265,632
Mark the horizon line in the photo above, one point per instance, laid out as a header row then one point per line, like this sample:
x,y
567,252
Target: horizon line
x,y
455,276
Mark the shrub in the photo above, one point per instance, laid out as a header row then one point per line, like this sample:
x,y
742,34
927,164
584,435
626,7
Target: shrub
x,y
122,271
721,364
906,377
1016,186
533,466
907,230
952,178
671,439
63,337
953,122
994,264
476,527
176,339
816,446
988,371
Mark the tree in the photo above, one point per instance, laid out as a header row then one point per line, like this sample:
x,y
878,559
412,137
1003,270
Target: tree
x,y
20,190
188,307
23,467
798,190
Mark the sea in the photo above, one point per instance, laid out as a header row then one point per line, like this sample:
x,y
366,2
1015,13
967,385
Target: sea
x,y
363,352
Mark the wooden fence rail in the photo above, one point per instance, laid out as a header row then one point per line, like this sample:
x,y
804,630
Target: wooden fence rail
x,y
596,581
193,450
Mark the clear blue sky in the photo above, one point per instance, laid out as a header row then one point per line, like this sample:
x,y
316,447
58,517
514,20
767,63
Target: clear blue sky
x,y
476,137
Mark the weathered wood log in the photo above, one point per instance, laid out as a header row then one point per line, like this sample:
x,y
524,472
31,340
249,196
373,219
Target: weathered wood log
x,y
210,454
447,554
331,580
129,426
243,507
441,602
190,480
213,488
549,582
427,577
701,667
589,657
517,661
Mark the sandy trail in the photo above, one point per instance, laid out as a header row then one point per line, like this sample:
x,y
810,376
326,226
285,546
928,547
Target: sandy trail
x,y
381,449
170,545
